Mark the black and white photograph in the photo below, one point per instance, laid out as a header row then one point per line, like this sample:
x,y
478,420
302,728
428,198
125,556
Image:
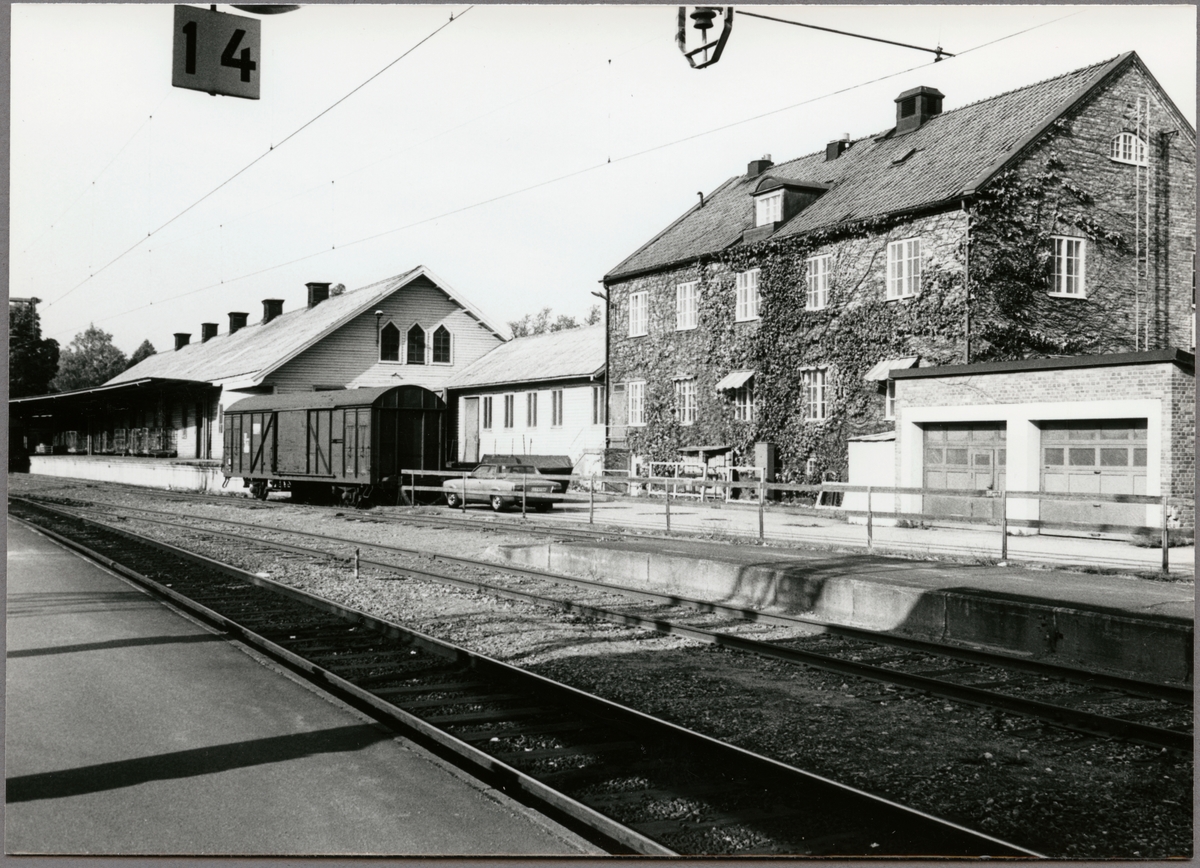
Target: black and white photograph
x,y
601,431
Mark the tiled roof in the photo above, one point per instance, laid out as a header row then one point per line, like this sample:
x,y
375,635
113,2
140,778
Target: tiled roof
x,y
556,356
253,351
949,155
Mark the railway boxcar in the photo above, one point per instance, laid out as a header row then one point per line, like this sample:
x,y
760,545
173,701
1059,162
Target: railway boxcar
x,y
348,443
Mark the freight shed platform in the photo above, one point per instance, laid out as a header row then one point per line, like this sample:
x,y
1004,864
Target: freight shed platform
x,y
1134,627
132,730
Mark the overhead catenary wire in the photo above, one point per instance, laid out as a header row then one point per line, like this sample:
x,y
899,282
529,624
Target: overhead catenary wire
x,y
92,184
271,149
558,82
572,174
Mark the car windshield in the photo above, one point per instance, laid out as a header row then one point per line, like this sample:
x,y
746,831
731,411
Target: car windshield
x,y
521,468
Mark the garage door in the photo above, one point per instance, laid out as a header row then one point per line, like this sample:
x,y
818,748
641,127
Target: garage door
x,y
1094,457
964,456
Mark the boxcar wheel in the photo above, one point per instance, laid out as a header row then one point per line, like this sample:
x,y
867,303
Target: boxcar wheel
x,y
452,500
497,503
259,489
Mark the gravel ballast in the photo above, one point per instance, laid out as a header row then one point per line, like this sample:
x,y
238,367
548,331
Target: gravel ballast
x,y
1064,795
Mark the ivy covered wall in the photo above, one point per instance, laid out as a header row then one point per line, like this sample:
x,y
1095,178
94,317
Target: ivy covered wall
x,y
1064,184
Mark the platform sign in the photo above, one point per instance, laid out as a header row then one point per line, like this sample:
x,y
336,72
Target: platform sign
x,y
216,52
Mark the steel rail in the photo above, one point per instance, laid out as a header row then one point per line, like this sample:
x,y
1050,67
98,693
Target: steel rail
x,y
510,776
1084,722
1148,689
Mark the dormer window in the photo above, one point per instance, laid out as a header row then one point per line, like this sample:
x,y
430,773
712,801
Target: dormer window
x,y
768,209
1128,148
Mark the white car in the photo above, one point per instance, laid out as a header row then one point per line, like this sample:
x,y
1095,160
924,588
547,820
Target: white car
x,y
502,486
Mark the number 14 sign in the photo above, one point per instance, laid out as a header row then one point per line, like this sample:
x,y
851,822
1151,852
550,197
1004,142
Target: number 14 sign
x,y
216,52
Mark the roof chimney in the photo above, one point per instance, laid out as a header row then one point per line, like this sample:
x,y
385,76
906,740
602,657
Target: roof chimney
x,y
182,339
207,330
237,321
272,307
757,167
317,293
833,150
914,107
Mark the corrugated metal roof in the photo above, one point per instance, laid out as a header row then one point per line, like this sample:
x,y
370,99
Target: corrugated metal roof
x,y
556,356
254,351
951,152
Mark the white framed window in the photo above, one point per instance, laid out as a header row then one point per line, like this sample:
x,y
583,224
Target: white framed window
x,y
531,408
743,402
637,314
389,343
598,406
685,401
1070,256
636,395
510,402
686,301
768,208
747,295
487,412
817,278
1128,148
889,400
415,349
813,382
904,268
442,346
556,408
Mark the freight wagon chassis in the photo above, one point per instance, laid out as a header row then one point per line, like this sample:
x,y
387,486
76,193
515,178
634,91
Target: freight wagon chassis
x,y
315,492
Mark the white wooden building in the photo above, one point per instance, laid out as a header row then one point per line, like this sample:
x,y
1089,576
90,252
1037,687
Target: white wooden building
x,y
411,328
541,395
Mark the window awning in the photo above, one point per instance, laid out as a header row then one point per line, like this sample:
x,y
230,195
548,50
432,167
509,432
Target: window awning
x,y
880,371
705,450
734,381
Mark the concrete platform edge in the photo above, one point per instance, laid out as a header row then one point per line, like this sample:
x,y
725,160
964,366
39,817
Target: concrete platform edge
x,y
1147,646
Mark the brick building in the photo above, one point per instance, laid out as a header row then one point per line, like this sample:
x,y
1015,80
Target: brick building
x,y
1054,220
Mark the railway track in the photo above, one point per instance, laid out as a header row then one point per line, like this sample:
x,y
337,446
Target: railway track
x,y
1094,704
634,782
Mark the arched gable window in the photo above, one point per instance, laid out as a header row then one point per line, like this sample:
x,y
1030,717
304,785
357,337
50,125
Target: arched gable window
x,y
389,344
416,345
1128,148
441,346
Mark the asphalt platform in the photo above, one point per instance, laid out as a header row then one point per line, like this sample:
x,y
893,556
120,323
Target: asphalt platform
x,y
133,730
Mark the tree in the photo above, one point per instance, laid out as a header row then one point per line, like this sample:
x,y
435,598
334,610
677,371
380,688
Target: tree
x,y
594,316
145,351
32,359
89,360
540,323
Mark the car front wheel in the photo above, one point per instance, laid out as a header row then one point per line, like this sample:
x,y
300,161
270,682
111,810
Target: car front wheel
x,y
497,503
453,500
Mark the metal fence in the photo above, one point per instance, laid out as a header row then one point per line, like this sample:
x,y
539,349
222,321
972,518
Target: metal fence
x,y
616,486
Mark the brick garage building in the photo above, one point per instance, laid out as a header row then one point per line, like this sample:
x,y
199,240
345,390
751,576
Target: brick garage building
x,y
1113,424
1053,220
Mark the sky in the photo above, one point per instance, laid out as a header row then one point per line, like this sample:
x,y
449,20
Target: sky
x,y
518,152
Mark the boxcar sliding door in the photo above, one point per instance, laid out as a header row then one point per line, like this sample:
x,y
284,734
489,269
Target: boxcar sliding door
x,y
320,443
